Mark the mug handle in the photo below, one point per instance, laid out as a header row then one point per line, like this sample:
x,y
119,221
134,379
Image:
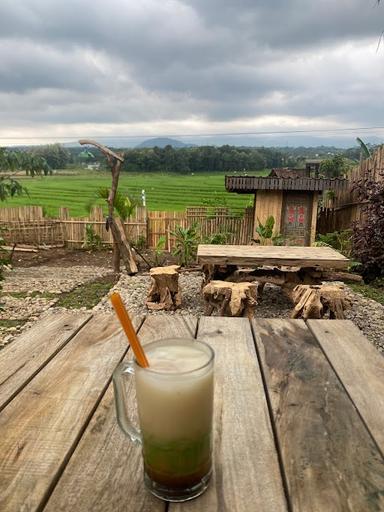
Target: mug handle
x,y
124,368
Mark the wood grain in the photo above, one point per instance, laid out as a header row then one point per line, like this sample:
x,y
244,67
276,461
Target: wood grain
x,y
31,351
246,470
359,366
313,257
105,472
42,424
330,460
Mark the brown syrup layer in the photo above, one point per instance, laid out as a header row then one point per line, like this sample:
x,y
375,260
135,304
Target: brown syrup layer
x,y
178,481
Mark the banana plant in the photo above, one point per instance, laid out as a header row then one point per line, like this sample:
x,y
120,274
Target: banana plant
x,y
364,150
186,242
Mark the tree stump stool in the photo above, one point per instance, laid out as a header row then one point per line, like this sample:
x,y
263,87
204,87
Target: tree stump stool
x,y
217,272
230,299
314,301
164,292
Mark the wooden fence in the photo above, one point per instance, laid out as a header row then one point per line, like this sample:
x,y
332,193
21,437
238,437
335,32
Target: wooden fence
x,y
27,225
340,212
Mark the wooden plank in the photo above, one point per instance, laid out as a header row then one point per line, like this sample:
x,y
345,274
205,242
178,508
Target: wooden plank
x,y
246,473
359,366
317,257
105,472
315,203
31,351
330,460
268,202
40,428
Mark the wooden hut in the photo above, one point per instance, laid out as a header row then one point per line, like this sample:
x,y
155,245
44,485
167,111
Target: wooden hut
x,y
290,196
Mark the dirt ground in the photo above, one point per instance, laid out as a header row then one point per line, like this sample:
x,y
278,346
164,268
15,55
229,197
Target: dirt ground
x,y
36,284
62,257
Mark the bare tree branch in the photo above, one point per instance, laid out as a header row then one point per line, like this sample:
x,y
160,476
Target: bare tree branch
x,y
121,245
106,151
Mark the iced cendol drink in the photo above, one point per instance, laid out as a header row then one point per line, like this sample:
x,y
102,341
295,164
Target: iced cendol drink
x,y
175,406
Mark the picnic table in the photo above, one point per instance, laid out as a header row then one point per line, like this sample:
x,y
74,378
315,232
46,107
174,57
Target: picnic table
x,y
271,255
286,266
299,417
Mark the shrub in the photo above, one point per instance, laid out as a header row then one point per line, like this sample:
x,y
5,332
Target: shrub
x,y
266,234
339,240
140,243
159,251
92,242
218,238
186,243
368,236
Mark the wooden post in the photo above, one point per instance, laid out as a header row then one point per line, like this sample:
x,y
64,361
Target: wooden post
x,y
121,245
315,202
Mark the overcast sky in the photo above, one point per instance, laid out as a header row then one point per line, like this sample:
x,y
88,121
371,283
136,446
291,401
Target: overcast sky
x,y
78,68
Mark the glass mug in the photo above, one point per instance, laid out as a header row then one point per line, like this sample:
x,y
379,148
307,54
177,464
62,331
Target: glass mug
x,y
175,408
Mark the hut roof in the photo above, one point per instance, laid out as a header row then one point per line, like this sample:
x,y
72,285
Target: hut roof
x,y
285,172
250,184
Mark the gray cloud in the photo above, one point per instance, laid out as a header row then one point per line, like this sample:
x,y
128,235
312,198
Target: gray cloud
x,y
190,64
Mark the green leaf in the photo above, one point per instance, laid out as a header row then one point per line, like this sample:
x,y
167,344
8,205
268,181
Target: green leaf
x,y
364,148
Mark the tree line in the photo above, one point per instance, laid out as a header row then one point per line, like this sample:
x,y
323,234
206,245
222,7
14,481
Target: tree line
x,y
201,159
41,160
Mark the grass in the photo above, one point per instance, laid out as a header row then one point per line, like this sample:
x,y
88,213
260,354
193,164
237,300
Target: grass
x,y
369,291
6,324
86,295
163,191
23,295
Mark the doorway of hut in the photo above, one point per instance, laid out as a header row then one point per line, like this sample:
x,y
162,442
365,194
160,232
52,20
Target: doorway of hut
x,y
297,217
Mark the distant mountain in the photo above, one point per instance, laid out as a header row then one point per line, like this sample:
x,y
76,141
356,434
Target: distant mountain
x,y
161,142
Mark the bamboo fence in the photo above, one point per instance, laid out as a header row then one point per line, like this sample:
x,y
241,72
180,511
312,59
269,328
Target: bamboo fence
x,y
27,225
234,224
74,229
340,212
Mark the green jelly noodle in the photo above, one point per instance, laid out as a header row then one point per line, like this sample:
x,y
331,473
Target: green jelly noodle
x,y
178,457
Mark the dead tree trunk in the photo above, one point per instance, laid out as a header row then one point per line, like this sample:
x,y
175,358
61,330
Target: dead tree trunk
x,y
164,292
121,247
312,301
230,299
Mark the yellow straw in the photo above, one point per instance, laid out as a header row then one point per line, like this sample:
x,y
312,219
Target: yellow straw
x,y
129,330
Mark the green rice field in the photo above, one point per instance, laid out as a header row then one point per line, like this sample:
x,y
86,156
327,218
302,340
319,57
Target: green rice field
x,y
163,191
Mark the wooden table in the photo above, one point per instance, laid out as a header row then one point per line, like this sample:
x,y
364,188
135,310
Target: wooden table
x,y
286,267
299,417
261,255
